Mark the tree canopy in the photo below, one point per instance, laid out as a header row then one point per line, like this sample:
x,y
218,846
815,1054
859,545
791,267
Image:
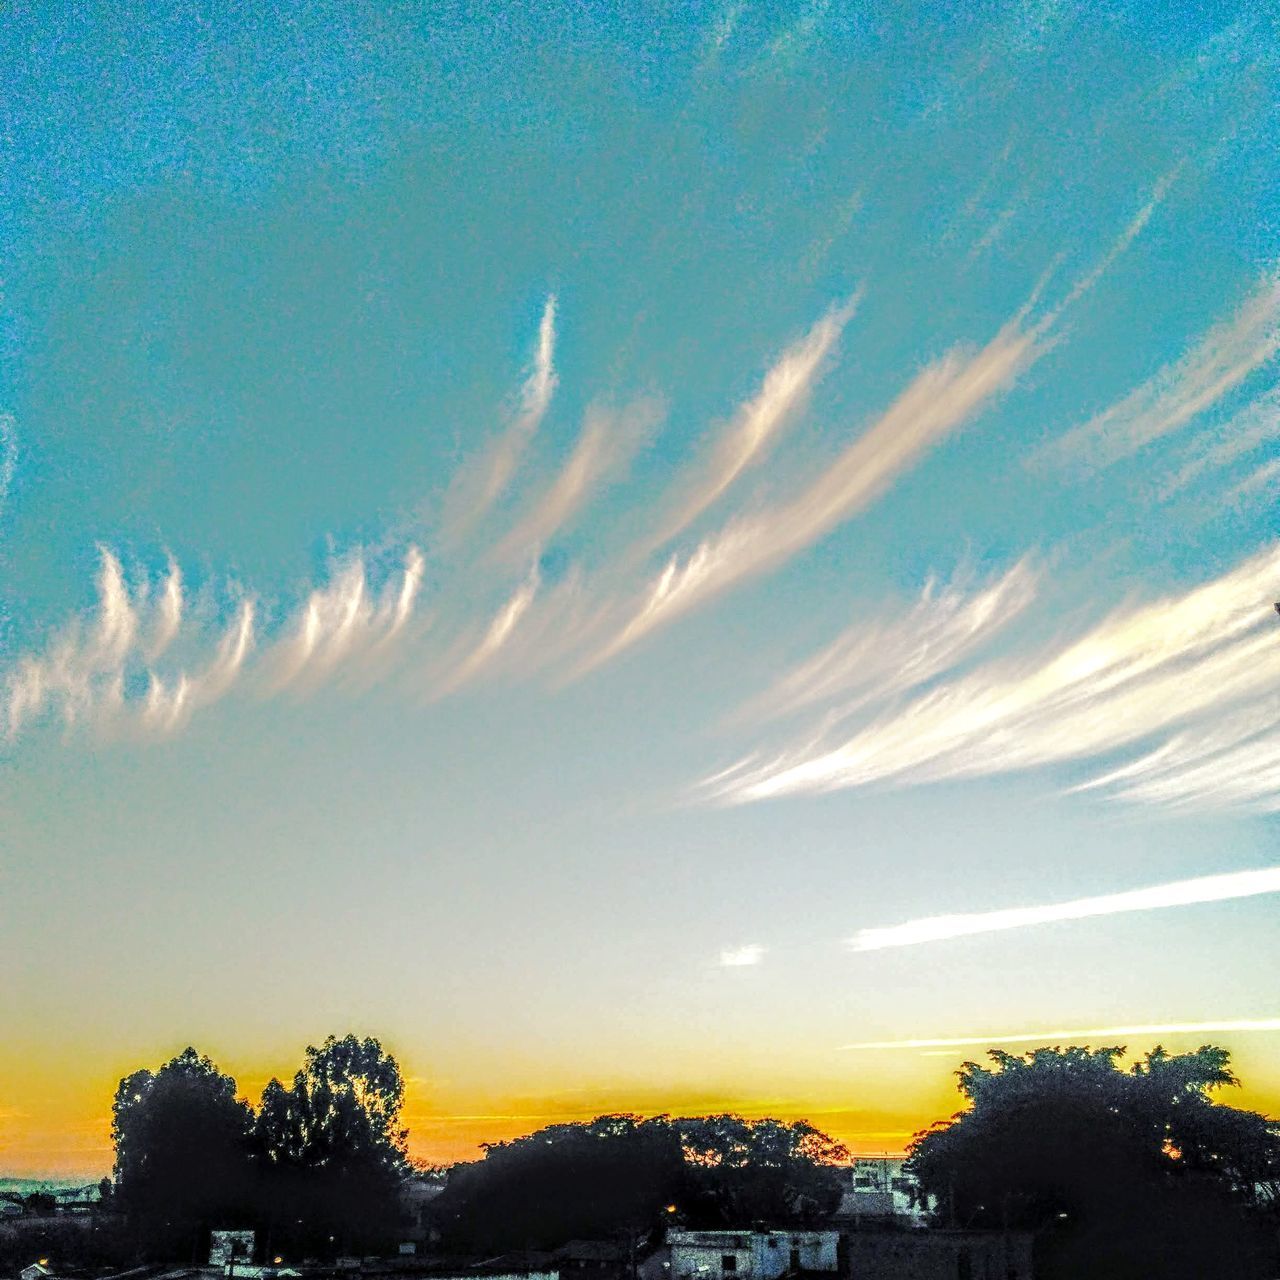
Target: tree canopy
x,y
1122,1172
318,1167
182,1153
626,1175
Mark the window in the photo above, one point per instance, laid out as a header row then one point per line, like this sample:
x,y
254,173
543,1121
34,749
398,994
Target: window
x,y
729,1263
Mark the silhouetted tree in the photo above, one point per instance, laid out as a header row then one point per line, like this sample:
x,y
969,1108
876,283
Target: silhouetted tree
x,y
740,1171
182,1153
333,1150
1122,1173
623,1177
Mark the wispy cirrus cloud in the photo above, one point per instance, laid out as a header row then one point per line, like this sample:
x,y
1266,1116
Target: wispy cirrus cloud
x,y
609,440
1219,362
168,706
1145,670
1077,1035
496,635
85,673
750,435
742,957
480,484
1177,893
873,661
342,620
8,455
939,399
1256,426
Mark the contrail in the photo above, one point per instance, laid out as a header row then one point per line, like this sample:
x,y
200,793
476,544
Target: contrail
x,y
1087,1033
1178,893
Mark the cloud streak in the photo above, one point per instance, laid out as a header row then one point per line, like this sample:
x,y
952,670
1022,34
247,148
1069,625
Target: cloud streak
x,y
874,661
608,442
748,438
1220,361
938,400
479,486
85,673
344,620
1076,1035
1184,659
1177,893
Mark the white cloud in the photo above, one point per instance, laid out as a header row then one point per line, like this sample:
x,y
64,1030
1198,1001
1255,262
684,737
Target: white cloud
x,y
1256,425
1178,893
168,707
938,400
747,439
1103,1035
8,455
875,660
740,957
478,486
344,620
498,633
1222,359
1144,670
168,619
609,440
82,674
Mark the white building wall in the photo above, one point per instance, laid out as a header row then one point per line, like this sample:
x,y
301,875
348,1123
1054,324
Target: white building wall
x,y
750,1255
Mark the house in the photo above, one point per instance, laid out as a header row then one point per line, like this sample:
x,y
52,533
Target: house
x,y
878,1187
742,1255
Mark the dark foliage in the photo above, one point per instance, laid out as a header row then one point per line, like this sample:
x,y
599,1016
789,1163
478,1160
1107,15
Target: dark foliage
x,y
332,1150
1122,1173
316,1171
624,1177
183,1161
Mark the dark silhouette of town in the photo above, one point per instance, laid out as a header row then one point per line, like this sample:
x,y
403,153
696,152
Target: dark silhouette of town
x,y
1062,1164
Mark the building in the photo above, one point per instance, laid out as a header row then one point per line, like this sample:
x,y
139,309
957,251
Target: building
x,y
886,1254
879,1188
742,1255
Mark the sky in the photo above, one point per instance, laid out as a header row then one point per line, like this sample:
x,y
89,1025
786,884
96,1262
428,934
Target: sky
x,y
653,557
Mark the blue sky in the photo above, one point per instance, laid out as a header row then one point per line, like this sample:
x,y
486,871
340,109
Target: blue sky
x,y
527,534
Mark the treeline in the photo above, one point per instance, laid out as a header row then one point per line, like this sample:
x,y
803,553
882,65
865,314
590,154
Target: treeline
x,y
622,1176
1115,1170
315,1170
1118,1173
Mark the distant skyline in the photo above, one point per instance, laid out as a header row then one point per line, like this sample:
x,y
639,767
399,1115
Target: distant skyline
x,y
658,560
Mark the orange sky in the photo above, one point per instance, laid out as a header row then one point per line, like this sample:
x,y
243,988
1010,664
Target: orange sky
x,y
57,1121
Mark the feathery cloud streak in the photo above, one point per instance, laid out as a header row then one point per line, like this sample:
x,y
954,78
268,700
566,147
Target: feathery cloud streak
x,y
478,487
872,661
754,428
938,400
1223,358
609,440
344,619
1140,672
1178,893
1076,1035
497,635
82,674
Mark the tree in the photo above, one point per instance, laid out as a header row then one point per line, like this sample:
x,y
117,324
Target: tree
x,y
333,1149
1122,1173
741,1171
624,1177
182,1155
